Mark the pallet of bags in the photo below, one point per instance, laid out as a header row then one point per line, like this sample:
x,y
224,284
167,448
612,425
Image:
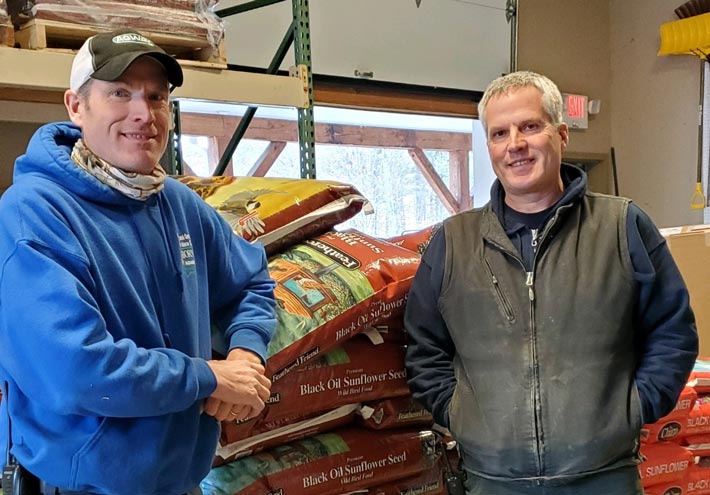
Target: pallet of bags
x,y
187,29
7,32
332,463
329,289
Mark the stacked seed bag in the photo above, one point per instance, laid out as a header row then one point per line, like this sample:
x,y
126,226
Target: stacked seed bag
x,y
676,449
340,417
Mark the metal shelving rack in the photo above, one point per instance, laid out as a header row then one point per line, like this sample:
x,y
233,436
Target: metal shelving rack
x,y
298,34
41,76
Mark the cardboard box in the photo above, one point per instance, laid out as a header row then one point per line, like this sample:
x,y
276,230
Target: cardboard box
x,y
690,247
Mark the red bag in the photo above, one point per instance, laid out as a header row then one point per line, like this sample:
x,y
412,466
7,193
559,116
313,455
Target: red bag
x,y
327,464
331,288
354,372
698,421
395,413
664,431
416,241
663,463
700,377
430,482
697,481
699,445
289,432
674,488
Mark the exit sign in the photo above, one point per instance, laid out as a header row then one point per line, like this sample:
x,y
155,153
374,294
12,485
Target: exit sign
x,y
575,113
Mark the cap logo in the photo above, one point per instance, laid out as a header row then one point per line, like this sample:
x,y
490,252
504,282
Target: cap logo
x,y
132,38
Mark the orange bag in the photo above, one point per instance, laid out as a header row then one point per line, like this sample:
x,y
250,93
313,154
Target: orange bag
x,y
674,488
331,288
699,445
698,421
416,241
685,404
700,377
664,463
664,431
697,481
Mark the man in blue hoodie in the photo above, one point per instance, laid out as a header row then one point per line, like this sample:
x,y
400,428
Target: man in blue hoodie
x,y
549,325
111,276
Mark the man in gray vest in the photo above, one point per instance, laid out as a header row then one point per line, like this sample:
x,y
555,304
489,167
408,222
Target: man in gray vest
x,y
549,325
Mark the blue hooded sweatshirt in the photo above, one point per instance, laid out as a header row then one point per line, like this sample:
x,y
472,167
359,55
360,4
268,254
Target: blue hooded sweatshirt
x,y
106,304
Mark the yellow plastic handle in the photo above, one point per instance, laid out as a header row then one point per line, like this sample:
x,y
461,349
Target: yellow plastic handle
x,y
697,200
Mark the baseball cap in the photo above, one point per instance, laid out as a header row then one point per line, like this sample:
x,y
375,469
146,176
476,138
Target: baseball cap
x,y
106,56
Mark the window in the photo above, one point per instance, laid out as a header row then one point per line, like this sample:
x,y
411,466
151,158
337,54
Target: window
x,y
414,169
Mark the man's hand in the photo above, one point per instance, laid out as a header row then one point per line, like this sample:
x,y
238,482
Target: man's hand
x,y
231,409
242,387
239,353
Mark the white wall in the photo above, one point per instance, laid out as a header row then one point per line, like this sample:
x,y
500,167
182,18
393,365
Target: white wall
x,y
448,43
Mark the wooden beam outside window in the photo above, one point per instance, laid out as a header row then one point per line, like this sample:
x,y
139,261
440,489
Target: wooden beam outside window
x,y
223,126
266,160
427,169
458,178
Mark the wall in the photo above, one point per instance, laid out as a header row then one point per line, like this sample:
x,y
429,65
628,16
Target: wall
x,y
445,43
654,113
607,49
18,121
569,42
14,142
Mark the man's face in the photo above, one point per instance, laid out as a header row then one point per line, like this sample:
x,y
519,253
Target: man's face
x,y
525,147
125,122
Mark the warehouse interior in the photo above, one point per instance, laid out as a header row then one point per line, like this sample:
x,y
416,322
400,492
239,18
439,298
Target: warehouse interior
x,y
601,49
390,90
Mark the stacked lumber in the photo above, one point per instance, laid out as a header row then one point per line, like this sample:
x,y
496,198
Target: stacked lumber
x,y
187,29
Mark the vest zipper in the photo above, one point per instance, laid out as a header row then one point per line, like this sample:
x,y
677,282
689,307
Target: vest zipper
x,y
530,284
505,304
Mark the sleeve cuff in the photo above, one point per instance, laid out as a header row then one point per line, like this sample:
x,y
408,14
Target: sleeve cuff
x,y
206,381
251,340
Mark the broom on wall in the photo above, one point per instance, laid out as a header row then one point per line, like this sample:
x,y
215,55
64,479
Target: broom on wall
x,y
689,9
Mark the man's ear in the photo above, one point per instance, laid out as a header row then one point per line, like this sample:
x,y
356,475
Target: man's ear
x,y
563,131
75,106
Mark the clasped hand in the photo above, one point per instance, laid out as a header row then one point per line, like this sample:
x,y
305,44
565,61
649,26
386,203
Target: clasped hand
x,y
242,387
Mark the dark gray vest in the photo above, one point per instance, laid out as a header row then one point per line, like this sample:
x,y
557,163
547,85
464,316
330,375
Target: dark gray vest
x,y
545,360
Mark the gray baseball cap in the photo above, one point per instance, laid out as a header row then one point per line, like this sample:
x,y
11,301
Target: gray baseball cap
x,y
106,56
